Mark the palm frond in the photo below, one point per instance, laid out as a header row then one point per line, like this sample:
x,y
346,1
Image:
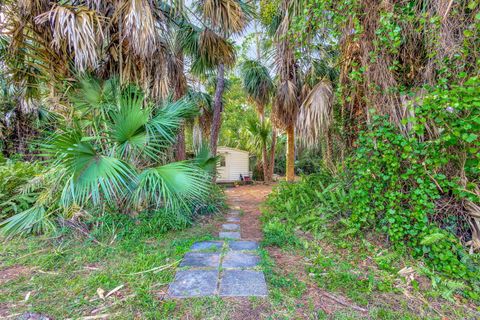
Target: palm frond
x,y
315,113
34,220
205,159
89,175
177,186
140,27
94,97
80,28
226,15
128,127
257,82
285,107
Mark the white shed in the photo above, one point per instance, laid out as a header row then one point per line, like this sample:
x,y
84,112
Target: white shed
x,y
233,163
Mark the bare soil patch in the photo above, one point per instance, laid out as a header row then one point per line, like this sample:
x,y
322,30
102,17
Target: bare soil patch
x,y
12,273
249,198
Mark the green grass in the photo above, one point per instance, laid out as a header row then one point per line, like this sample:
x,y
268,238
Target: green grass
x,y
65,273
355,270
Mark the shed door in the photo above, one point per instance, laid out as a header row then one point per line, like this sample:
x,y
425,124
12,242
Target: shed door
x,y
222,169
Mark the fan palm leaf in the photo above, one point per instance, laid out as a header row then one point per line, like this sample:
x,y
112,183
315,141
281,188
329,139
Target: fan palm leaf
x,y
139,29
34,220
176,186
227,15
315,113
257,83
89,175
77,31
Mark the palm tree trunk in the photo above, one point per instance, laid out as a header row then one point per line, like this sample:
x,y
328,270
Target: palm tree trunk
x,y
290,153
271,165
180,152
266,175
180,90
217,109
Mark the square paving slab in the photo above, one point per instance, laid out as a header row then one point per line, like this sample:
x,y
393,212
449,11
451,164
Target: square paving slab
x,y
233,219
201,259
240,260
243,283
193,283
230,226
243,245
229,235
207,245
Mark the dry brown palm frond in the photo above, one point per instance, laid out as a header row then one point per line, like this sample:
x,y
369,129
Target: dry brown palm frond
x,y
215,50
315,113
30,8
225,15
76,31
285,106
474,211
139,27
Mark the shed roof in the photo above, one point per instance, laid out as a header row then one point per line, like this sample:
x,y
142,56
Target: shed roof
x,y
231,149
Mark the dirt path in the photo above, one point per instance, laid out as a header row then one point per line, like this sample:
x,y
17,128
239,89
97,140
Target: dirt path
x,y
249,199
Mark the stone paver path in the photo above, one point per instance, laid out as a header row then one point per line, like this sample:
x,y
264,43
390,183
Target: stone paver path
x,y
228,268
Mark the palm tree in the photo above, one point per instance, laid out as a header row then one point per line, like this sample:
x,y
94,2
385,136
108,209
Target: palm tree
x,y
225,18
258,85
304,96
287,99
260,133
316,112
108,155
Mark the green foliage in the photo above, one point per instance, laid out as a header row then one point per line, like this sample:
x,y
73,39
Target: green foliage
x,y
278,234
308,162
397,178
113,157
313,204
14,175
393,190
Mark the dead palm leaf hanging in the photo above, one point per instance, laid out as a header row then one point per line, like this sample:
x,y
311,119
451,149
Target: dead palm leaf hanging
x,y
139,27
76,31
315,113
225,15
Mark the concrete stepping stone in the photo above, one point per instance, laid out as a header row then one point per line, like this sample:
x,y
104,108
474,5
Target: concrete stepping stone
x,y
207,245
243,283
229,235
193,283
240,260
233,219
201,259
243,245
234,212
231,226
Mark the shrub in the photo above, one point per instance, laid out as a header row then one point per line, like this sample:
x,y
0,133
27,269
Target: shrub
x,y
278,234
13,176
398,178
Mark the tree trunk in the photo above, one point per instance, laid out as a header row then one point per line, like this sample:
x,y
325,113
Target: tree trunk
x,y
271,165
217,109
180,87
180,152
266,175
290,153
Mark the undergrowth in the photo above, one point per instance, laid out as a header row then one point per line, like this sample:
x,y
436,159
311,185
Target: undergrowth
x,y
391,185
